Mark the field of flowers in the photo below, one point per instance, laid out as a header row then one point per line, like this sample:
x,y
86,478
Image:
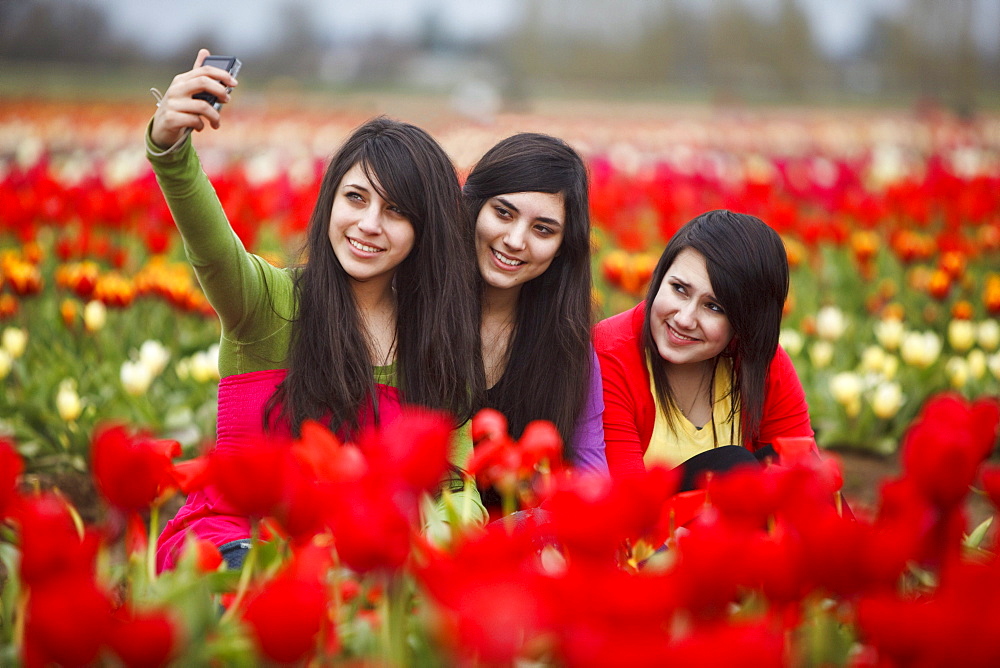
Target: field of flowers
x,y
892,224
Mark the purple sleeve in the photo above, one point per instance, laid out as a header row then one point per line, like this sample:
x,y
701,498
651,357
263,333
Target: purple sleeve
x,y
588,439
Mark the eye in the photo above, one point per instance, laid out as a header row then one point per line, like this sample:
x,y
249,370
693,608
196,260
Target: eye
x,y
544,230
354,196
712,306
678,288
392,208
502,212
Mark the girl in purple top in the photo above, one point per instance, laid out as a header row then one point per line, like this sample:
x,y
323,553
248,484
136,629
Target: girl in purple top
x,y
527,199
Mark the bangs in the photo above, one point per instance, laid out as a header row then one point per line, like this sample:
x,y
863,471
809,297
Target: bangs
x,y
396,179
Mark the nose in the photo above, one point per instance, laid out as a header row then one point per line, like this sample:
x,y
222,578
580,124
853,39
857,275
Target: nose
x,y
685,316
371,221
514,238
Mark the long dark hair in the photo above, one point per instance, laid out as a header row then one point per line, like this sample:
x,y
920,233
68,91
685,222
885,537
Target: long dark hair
x,y
548,363
748,268
437,360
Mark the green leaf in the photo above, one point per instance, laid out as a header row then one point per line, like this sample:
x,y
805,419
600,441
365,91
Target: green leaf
x,y
975,539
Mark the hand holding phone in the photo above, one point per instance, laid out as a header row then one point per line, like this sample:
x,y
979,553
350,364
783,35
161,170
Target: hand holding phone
x,y
230,64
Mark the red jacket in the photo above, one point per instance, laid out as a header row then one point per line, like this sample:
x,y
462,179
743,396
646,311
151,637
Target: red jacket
x,y
629,409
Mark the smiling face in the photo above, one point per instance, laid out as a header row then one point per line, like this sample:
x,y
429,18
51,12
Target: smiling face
x,y
517,237
686,320
369,235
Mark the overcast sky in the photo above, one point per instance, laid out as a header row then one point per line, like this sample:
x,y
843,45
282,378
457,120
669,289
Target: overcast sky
x,y
243,25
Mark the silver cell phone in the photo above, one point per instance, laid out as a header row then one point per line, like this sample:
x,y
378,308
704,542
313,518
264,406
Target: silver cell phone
x,y
230,64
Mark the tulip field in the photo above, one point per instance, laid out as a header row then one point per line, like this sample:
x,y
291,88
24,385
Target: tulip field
x,y
108,349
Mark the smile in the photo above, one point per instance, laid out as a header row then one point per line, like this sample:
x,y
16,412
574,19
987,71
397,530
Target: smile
x,y
364,247
509,261
678,335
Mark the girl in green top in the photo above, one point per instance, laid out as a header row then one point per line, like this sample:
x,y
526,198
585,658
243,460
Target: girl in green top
x,y
382,312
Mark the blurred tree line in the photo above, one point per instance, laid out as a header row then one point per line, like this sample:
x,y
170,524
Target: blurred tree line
x,y
728,50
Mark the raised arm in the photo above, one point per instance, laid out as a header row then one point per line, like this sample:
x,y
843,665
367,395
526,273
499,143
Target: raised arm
x,y
242,288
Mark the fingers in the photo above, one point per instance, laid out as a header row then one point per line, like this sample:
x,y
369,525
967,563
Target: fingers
x,y
202,54
179,109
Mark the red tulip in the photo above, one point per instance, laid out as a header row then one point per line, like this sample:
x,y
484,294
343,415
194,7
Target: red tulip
x,y
539,443
412,449
130,469
251,477
321,456
487,425
489,594
945,445
143,639
285,617
50,544
990,476
11,467
370,530
67,621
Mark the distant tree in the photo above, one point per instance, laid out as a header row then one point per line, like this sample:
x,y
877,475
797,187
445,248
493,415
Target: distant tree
x,y
53,31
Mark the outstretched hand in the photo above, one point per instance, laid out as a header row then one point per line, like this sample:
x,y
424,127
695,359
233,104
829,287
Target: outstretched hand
x,y
179,111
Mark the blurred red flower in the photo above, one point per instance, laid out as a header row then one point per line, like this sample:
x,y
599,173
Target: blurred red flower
x,y
11,467
252,477
143,639
285,617
50,545
412,449
130,469
944,446
66,622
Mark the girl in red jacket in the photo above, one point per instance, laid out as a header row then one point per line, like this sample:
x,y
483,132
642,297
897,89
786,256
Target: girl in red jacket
x,y
697,366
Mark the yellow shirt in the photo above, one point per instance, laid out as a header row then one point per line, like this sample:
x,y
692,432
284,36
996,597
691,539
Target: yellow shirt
x,y
670,448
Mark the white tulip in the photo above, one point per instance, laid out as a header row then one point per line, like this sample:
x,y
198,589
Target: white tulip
x,y
993,363
846,387
873,359
887,399
821,354
154,355
889,333
989,335
830,323
920,349
15,341
890,365
68,403
976,360
961,335
136,378
205,365
792,341
95,314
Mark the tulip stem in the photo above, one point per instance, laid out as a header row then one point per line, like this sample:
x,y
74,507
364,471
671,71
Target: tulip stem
x,y
154,532
394,621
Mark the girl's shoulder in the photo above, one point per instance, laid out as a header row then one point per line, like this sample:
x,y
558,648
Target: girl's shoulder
x,y
619,330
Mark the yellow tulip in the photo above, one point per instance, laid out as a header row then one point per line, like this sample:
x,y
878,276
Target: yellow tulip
x,y
961,335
